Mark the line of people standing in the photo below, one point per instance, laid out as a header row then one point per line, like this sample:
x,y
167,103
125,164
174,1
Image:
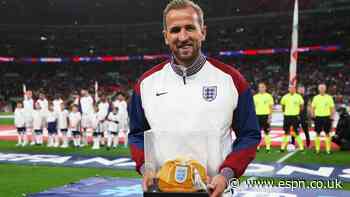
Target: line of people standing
x,y
297,108
65,120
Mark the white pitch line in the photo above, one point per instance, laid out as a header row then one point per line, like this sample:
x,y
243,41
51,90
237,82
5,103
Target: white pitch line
x,y
6,116
286,157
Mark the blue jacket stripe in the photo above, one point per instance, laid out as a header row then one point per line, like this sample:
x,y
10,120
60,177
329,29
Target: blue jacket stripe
x,y
245,123
138,121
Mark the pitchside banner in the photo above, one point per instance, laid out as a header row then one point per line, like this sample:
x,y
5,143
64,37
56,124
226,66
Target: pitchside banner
x,y
67,160
286,171
117,187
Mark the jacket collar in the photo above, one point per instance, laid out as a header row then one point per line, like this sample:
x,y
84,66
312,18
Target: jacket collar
x,y
192,69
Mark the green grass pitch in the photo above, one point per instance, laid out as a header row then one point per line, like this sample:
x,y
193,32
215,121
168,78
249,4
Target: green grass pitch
x,y
19,180
9,147
7,121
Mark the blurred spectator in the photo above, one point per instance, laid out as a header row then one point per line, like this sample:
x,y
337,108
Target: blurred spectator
x,y
274,70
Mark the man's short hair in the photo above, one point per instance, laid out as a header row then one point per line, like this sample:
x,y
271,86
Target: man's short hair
x,y
74,105
181,4
119,93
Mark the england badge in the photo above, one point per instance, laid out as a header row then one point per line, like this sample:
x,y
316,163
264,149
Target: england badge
x,y
181,173
209,93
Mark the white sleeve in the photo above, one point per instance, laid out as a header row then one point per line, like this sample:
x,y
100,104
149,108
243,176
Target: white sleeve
x,y
16,116
96,97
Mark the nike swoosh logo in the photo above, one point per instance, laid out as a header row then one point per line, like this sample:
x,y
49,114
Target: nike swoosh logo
x,y
161,93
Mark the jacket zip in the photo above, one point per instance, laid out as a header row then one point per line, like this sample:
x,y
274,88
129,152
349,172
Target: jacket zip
x,y
184,75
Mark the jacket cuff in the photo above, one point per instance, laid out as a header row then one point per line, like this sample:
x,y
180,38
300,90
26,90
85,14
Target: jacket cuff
x,y
228,173
142,169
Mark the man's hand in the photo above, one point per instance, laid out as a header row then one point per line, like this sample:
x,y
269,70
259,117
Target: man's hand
x,y
147,181
269,118
217,186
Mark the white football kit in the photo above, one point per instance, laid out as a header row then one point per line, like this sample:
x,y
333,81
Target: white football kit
x,y
122,106
28,106
103,110
113,122
87,108
19,118
62,122
38,120
57,104
74,121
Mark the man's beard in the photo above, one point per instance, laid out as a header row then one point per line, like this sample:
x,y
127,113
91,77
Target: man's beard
x,y
186,56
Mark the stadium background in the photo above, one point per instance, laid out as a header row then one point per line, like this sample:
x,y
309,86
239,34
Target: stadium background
x,y
61,46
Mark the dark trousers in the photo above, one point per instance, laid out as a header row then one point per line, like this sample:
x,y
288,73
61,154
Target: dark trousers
x,y
290,121
264,123
323,124
305,126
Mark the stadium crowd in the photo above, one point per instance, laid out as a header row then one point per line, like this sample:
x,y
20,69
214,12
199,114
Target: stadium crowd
x,y
66,79
230,33
311,73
